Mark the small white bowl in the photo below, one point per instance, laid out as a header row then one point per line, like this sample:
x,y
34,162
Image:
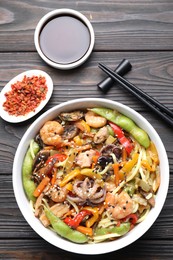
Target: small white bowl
x,y
16,119
64,13
50,236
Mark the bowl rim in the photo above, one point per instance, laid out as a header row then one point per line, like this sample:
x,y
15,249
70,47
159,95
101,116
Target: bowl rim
x,y
76,14
103,247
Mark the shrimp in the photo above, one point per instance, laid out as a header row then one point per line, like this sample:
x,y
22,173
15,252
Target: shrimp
x,y
58,194
119,205
95,120
50,133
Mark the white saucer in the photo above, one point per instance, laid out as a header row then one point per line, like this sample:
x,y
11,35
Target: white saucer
x,y
16,119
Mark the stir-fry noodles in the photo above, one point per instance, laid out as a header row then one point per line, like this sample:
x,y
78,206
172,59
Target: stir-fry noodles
x,y
89,179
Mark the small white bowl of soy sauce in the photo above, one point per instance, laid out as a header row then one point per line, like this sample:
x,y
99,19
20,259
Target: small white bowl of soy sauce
x,y
64,38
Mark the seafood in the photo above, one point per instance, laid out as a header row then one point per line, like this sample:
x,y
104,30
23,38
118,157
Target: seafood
x,y
119,205
95,120
84,159
88,192
50,133
90,175
57,194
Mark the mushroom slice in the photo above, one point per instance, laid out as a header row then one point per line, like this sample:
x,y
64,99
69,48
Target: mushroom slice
x,y
70,131
71,116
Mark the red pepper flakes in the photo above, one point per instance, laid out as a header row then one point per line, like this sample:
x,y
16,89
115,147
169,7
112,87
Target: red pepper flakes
x,y
26,95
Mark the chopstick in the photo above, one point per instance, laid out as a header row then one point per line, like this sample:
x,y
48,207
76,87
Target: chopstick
x,y
155,105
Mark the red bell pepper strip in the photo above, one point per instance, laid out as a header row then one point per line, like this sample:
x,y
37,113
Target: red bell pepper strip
x,y
122,138
132,218
52,160
75,222
56,157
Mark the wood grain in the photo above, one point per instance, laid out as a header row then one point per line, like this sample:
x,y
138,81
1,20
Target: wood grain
x,y
38,249
119,25
140,31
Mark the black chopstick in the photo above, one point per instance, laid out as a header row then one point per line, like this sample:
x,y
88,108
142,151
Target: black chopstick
x,y
155,105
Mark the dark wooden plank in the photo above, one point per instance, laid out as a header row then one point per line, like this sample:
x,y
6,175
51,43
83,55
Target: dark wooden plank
x,y
150,73
39,249
119,25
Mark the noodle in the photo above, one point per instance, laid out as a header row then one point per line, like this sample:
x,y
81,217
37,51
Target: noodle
x,y
81,174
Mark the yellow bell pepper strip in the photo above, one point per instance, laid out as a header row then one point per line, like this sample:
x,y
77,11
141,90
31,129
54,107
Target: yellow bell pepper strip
x,y
126,143
152,151
69,186
125,123
70,160
78,141
85,230
146,165
94,218
69,177
128,166
90,173
83,126
75,222
41,186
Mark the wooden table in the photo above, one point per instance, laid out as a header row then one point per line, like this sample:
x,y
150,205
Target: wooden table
x,y
141,31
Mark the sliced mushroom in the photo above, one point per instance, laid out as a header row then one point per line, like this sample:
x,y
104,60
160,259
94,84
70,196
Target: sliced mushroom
x,y
70,131
71,116
38,140
112,148
40,159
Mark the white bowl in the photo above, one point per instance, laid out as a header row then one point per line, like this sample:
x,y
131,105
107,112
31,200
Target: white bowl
x,y
59,13
50,236
29,73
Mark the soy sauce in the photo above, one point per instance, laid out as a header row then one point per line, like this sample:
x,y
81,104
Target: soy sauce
x,y
64,39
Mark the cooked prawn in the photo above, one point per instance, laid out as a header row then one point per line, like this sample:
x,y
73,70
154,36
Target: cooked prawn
x,y
50,133
58,194
95,120
119,205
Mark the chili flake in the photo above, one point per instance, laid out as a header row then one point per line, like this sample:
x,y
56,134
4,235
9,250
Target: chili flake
x,y
26,95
